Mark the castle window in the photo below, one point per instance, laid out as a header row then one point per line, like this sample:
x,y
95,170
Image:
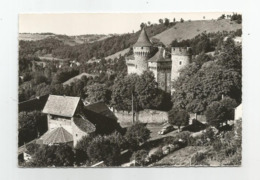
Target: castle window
x,y
180,62
142,47
76,135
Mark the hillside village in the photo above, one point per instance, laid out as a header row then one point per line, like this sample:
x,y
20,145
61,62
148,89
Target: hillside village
x,y
169,94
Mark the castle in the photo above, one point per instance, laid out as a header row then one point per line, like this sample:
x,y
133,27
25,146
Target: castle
x,y
165,65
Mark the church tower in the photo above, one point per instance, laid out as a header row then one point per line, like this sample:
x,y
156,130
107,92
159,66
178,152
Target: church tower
x,y
142,52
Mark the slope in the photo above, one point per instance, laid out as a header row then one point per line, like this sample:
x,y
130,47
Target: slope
x,y
190,29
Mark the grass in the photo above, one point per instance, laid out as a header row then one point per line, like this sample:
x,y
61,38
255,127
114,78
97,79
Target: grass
x,y
180,157
188,30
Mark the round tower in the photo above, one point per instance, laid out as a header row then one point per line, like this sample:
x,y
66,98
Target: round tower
x,y
142,52
181,57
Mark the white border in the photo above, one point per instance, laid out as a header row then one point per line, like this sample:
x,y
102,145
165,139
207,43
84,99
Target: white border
x,y
9,11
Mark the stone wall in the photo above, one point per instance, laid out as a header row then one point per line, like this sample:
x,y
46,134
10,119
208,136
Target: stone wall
x,y
145,116
77,134
59,122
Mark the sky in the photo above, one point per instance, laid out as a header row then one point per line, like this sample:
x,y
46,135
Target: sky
x,y
99,23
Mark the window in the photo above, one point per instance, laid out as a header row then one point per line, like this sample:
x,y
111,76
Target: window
x,y
142,47
76,135
180,62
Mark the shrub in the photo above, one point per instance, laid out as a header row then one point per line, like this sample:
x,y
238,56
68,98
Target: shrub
x,y
217,145
198,158
136,134
102,149
156,155
140,157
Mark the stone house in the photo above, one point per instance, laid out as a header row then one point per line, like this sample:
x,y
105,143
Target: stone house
x,y
65,124
69,120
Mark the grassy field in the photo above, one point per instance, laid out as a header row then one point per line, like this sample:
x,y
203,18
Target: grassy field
x,y
188,30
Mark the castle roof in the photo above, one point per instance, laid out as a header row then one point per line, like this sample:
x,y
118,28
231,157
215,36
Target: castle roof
x,y
158,57
143,40
61,105
56,136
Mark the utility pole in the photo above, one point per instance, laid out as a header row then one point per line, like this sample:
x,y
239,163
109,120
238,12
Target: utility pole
x,y
133,106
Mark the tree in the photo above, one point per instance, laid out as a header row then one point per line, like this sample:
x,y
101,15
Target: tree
x,y
195,91
223,16
166,22
136,134
56,155
161,21
146,93
103,149
237,18
31,124
182,20
142,25
202,58
98,93
178,117
174,19
216,113
82,148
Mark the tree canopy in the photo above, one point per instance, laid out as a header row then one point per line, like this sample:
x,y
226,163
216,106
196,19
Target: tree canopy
x,y
145,90
178,117
137,134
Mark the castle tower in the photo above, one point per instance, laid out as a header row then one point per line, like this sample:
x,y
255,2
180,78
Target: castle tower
x,y
181,57
142,52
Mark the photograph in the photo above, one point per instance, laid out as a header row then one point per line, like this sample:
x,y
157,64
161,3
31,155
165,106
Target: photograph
x,y
129,90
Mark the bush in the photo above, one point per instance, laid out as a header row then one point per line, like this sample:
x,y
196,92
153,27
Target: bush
x,y
217,145
140,157
156,155
103,149
178,117
136,134
199,159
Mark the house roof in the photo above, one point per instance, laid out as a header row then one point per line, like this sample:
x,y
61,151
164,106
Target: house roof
x,y
143,40
57,136
84,125
33,104
61,105
101,108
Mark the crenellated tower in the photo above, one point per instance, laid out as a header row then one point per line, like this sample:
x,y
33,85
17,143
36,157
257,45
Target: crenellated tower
x,y
181,57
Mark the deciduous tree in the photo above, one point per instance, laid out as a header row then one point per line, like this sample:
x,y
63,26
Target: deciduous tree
x,y
178,117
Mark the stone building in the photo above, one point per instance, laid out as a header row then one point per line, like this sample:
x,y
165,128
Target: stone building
x,y
165,65
180,57
69,120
